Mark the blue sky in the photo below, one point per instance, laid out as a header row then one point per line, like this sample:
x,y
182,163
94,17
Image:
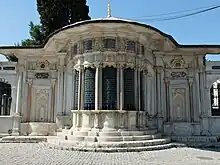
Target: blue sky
x,y
15,16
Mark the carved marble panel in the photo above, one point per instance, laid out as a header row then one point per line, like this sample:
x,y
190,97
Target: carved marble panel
x,y
179,104
40,104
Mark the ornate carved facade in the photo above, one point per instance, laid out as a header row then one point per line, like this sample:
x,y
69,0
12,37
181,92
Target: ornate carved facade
x,y
125,75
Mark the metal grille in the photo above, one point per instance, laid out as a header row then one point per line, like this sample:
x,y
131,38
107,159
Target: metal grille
x,y
5,98
215,98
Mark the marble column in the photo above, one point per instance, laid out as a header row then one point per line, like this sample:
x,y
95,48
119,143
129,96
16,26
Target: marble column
x,y
13,102
81,89
100,88
121,88
118,87
97,74
60,87
74,89
18,97
16,116
98,104
139,89
136,90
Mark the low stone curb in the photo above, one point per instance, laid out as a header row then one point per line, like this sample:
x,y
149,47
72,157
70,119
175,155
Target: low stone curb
x,y
109,150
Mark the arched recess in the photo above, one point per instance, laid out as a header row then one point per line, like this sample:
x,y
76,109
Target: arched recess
x,y
179,110
5,97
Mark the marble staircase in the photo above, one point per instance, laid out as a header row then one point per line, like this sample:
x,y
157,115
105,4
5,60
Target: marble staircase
x,y
110,140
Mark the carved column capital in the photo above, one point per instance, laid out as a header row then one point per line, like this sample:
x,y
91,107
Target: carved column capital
x,y
61,68
29,82
158,69
87,64
53,82
20,68
97,65
167,81
190,81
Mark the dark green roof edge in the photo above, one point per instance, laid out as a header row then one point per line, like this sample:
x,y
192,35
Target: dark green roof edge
x,y
112,21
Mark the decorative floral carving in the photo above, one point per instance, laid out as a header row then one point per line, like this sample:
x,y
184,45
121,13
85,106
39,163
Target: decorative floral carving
x,y
42,64
178,74
42,75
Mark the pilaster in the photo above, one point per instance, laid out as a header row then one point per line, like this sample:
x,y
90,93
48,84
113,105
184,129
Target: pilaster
x,y
190,81
53,85
29,83
167,89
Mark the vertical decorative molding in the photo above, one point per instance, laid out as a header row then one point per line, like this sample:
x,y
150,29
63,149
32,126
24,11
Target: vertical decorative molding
x,y
121,88
167,85
191,99
53,83
145,82
29,82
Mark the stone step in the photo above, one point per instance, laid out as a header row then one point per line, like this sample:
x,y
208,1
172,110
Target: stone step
x,y
132,143
81,133
112,133
138,133
159,144
110,139
23,139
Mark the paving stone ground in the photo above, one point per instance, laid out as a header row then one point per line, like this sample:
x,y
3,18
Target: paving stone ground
x,y
36,154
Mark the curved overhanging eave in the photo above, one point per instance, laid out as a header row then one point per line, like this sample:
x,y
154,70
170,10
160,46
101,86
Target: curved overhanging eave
x,y
19,51
54,39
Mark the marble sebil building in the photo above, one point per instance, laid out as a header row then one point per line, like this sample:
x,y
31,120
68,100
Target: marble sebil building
x,y
111,75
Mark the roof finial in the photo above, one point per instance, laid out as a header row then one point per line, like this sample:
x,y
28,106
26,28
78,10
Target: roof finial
x,y
109,9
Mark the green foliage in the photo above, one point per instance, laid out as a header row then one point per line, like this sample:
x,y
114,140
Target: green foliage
x,y
54,14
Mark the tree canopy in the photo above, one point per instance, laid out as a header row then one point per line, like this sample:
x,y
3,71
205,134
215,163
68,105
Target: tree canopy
x,y
54,14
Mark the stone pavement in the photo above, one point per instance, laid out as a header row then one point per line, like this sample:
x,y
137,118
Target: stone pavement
x,y
36,154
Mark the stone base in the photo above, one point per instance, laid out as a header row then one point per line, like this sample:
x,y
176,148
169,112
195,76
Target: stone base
x,y
182,129
24,139
38,129
195,139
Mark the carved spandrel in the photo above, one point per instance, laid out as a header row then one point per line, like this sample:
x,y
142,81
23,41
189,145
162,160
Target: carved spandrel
x,y
177,62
